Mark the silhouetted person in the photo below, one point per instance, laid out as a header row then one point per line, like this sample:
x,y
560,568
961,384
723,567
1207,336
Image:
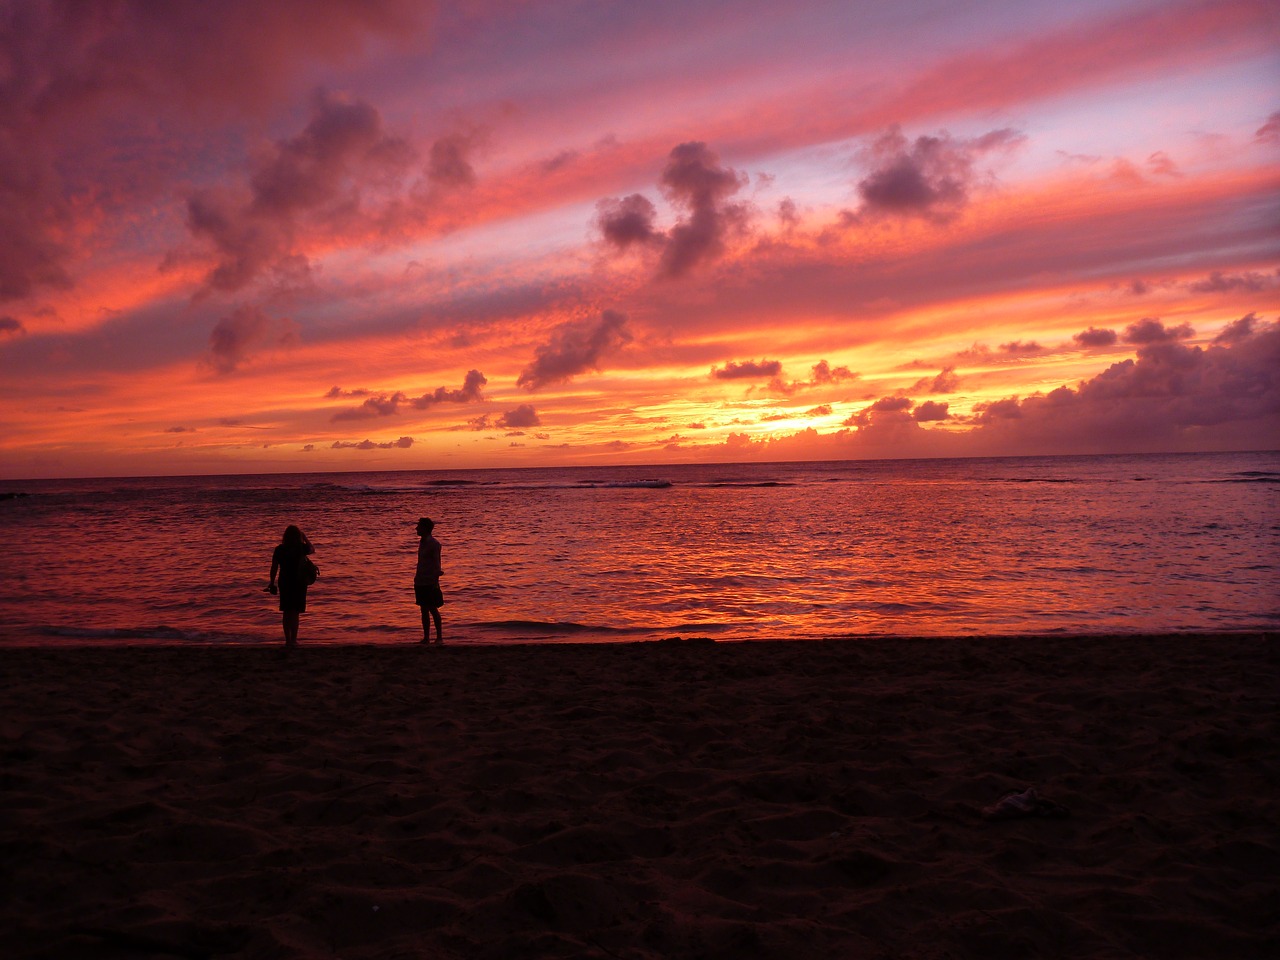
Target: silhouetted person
x,y
287,561
426,581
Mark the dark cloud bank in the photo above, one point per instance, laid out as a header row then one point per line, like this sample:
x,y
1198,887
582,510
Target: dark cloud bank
x,y
1168,389
1168,392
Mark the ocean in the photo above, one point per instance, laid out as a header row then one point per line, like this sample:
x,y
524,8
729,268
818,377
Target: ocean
x,y
930,548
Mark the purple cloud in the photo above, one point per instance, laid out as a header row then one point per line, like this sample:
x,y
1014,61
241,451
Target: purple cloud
x,y
1238,330
380,405
470,391
1019,349
237,335
1269,132
881,412
1168,391
386,405
1094,337
822,374
946,381
628,222
930,410
522,416
575,347
402,443
1151,330
78,65
929,177
695,181
449,164
309,181
747,370
1218,282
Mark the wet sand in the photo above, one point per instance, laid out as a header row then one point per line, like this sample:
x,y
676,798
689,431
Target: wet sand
x,y
789,800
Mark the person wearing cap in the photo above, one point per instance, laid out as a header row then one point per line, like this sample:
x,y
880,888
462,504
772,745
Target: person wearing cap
x,y
426,581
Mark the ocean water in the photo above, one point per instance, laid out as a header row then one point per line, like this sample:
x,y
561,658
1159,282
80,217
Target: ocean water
x,y
1009,546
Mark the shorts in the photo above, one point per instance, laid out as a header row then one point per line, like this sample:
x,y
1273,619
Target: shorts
x,y
428,595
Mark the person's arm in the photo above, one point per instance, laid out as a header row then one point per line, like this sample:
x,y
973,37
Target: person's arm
x,y
307,548
275,565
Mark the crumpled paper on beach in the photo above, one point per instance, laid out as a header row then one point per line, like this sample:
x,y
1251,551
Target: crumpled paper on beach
x,y
1026,803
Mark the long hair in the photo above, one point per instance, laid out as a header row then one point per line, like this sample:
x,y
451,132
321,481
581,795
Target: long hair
x,y
292,536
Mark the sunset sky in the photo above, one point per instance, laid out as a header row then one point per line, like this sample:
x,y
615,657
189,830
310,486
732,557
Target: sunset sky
x,y
242,237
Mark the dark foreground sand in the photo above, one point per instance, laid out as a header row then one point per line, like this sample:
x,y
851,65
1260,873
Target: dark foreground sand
x,y
790,800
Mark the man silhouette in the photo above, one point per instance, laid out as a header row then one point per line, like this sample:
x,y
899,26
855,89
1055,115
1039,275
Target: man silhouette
x,y
426,581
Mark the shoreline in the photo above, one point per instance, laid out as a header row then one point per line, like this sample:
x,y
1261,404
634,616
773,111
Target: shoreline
x,y
582,637
643,799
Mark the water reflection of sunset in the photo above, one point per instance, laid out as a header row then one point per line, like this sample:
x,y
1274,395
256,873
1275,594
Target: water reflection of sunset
x,y
736,551
1014,229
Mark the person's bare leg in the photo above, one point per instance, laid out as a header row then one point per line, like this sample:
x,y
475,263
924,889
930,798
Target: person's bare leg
x,y
291,628
426,625
435,615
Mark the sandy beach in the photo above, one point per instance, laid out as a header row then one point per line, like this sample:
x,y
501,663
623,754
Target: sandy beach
x,y
672,799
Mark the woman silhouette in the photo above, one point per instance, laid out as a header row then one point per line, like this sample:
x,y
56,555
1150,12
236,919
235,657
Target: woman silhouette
x,y
286,559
